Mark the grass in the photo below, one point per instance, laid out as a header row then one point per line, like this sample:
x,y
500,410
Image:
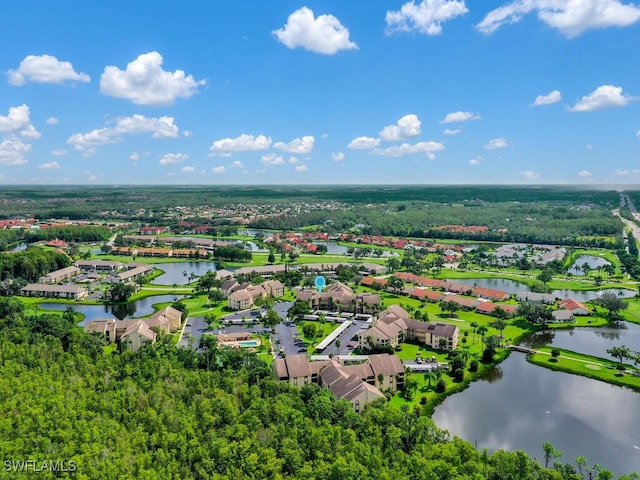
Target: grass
x,y
586,366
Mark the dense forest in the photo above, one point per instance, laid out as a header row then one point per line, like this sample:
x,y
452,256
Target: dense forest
x,y
19,268
172,413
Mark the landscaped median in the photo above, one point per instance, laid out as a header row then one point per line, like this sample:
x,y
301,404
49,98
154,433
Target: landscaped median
x,y
587,366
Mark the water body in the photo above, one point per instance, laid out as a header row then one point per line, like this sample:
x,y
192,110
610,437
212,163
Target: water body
x,y
139,308
252,232
20,247
512,286
593,262
592,341
333,248
178,273
521,406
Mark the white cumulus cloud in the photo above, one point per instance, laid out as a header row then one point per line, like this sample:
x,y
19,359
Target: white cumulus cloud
x,y
475,161
50,165
605,96
407,127
553,96
237,164
531,175
52,121
18,121
362,143
45,69
58,152
244,143
219,169
622,172
496,143
144,82
426,16
13,151
584,173
173,158
408,148
570,17
324,34
337,157
297,145
452,131
272,159
159,127
459,117
301,168
188,169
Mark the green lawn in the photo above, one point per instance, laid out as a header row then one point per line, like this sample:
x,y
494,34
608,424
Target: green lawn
x,y
587,366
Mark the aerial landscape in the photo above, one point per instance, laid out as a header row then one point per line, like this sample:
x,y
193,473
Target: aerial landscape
x,y
331,240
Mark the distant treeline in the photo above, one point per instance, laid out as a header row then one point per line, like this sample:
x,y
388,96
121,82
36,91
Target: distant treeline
x,y
232,254
74,233
629,259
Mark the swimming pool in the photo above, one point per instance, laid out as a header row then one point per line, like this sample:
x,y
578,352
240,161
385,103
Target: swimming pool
x,y
249,343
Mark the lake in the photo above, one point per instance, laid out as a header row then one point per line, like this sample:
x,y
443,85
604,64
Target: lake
x,y
593,262
592,341
178,273
522,406
512,286
139,308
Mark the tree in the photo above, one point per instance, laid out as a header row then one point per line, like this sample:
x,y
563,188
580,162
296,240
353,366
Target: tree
x,y
499,324
449,306
216,297
338,345
395,284
550,453
545,275
120,292
309,330
612,303
620,353
482,331
271,319
443,343
271,258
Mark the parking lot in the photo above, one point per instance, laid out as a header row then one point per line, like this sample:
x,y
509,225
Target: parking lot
x,y
193,330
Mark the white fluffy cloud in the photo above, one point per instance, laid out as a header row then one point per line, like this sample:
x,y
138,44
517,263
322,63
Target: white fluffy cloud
x,y
459,117
362,143
58,152
159,127
44,69
144,82
237,164
188,169
638,133
426,16
622,172
496,143
173,158
297,145
475,161
452,131
553,96
52,121
17,121
337,157
272,159
244,143
324,34
301,168
407,148
219,169
584,173
605,96
50,165
13,151
407,127
531,175
570,17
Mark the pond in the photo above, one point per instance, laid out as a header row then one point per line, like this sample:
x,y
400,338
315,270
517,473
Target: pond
x,y
20,247
521,406
590,260
592,341
512,286
178,273
139,308
334,248
252,232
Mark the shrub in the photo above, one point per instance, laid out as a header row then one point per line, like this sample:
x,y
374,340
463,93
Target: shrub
x,y
473,366
441,386
423,400
458,374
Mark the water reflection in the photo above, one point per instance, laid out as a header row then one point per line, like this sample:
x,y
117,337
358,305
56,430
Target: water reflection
x,y
181,273
530,405
593,263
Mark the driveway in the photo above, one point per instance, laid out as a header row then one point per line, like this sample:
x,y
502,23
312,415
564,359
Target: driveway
x,y
192,331
346,338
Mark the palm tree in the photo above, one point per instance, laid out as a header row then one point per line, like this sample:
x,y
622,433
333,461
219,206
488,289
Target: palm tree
x,y
474,326
482,330
338,345
499,324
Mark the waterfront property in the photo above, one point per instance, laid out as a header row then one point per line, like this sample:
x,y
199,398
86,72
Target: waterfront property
x,y
72,292
359,384
340,297
60,275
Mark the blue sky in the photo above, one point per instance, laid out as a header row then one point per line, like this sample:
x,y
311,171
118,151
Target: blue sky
x,y
332,92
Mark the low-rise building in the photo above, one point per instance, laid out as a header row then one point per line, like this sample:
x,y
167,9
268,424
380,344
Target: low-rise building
x,y
60,275
54,291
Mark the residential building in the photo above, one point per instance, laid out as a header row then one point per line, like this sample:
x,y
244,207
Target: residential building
x,y
240,300
54,291
135,332
99,265
60,275
574,307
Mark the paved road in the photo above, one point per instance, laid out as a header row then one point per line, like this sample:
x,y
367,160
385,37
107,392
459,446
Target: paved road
x,y
346,338
192,331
